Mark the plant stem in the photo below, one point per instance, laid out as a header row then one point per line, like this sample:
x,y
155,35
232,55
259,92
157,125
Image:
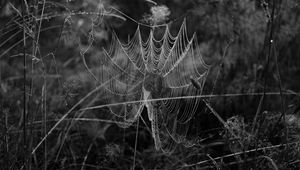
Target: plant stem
x,y
270,43
135,143
24,87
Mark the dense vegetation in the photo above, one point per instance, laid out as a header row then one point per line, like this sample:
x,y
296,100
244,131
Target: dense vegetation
x,y
249,117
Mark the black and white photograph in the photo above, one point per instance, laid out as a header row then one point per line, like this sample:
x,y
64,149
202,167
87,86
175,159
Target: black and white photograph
x,y
149,85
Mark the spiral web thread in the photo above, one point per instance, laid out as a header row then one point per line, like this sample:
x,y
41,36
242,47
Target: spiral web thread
x,y
156,68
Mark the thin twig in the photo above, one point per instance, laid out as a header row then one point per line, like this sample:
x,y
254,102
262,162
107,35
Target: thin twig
x,y
220,67
44,97
24,88
135,144
268,56
186,97
239,153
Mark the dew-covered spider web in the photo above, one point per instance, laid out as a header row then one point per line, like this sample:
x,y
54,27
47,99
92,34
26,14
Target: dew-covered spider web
x,y
150,73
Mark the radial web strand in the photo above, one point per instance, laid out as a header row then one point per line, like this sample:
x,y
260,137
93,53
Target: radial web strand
x,y
169,67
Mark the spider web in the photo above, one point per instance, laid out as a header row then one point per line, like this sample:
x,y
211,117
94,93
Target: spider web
x,y
155,69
